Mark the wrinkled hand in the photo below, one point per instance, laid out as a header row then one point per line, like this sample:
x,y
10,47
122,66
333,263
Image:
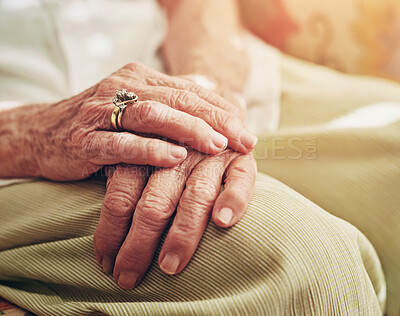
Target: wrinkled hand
x,y
125,241
77,138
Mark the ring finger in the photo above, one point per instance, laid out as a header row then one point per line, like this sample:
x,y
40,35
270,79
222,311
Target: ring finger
x,y
152,117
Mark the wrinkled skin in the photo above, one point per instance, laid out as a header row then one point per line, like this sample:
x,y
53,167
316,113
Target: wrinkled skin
x,y
76,136
200,41
132,222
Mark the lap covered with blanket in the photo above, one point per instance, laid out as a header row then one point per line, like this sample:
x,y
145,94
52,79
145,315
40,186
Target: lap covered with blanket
x,y
319,236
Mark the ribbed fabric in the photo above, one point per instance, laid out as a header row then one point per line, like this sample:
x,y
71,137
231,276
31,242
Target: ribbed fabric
x,y
287,256
356,172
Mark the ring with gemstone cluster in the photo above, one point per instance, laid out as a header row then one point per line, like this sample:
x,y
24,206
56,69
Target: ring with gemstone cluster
x,y
121,100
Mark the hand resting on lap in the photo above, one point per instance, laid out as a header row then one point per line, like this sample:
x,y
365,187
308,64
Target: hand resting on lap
x,y
132,222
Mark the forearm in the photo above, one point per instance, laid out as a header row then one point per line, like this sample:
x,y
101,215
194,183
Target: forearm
x,y
18,142
205,37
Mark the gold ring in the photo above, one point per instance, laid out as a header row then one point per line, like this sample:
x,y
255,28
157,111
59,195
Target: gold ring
x,y
121,100
114,116
119,119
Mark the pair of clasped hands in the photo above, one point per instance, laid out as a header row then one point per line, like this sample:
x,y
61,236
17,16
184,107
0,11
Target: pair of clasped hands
x,y
138,205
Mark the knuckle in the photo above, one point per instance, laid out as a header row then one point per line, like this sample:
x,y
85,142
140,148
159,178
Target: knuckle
x,y
230,101
134,66
227,120
242,172
247,169
186,99
195,209
235,111
104,89
191,102
185,234
201,186
119,204
145,113
194,87
130,66
200,128
199,197
218,101
157,207
175,98
214,98
152,114
180,173
130,71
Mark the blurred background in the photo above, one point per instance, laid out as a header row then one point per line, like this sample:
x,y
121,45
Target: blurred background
x,y
356,36
72,44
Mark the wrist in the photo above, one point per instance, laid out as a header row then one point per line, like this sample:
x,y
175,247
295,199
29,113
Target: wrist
x,y
212,43
20,142
221,61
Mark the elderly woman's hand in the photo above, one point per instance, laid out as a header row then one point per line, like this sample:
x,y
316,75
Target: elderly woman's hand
x,y
78,138
132,222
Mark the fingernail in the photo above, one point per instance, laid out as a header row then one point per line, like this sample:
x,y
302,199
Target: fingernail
x,y
178,152
219,141
225,215
108,264
127,279
248,140
170,263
